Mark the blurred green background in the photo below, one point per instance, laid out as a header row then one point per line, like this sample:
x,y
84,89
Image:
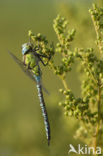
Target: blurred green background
x,y
22,130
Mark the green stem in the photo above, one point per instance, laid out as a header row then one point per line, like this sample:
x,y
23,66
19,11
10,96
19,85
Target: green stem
x,y
98,123
99,91
97,32
64,82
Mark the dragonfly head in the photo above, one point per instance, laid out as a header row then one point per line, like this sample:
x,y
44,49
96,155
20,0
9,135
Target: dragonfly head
x,y
26,47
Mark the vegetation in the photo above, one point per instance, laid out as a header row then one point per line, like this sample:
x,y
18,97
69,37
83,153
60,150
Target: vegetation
x,y
22,130
88,107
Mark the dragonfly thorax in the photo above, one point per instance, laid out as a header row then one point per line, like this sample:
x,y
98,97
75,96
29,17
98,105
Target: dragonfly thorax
x,y
32,63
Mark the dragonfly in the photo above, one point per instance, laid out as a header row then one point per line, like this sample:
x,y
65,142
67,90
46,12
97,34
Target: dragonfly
x,y
30,65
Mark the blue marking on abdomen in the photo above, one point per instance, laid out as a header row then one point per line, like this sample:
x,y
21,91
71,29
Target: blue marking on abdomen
x,y
44,112
43,107
37,78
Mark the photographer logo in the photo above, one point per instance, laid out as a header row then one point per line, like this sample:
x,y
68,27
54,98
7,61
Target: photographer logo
x,y
84,149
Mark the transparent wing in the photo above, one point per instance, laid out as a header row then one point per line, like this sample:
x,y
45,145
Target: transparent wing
x,y
24,69
22,66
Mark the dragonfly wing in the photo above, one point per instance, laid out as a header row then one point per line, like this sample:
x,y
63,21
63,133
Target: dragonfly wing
x,y
22,66
24,69
45,90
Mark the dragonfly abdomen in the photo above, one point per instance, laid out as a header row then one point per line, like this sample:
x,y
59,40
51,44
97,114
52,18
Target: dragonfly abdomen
x,y
44,112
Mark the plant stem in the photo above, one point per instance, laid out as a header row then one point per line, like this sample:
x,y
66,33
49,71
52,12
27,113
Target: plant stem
x,y
97,32
99,89
64,82
98,123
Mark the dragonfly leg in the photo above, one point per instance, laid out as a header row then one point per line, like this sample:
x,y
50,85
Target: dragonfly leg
x,y
44,56
45,64
36,49
28,66
41,55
